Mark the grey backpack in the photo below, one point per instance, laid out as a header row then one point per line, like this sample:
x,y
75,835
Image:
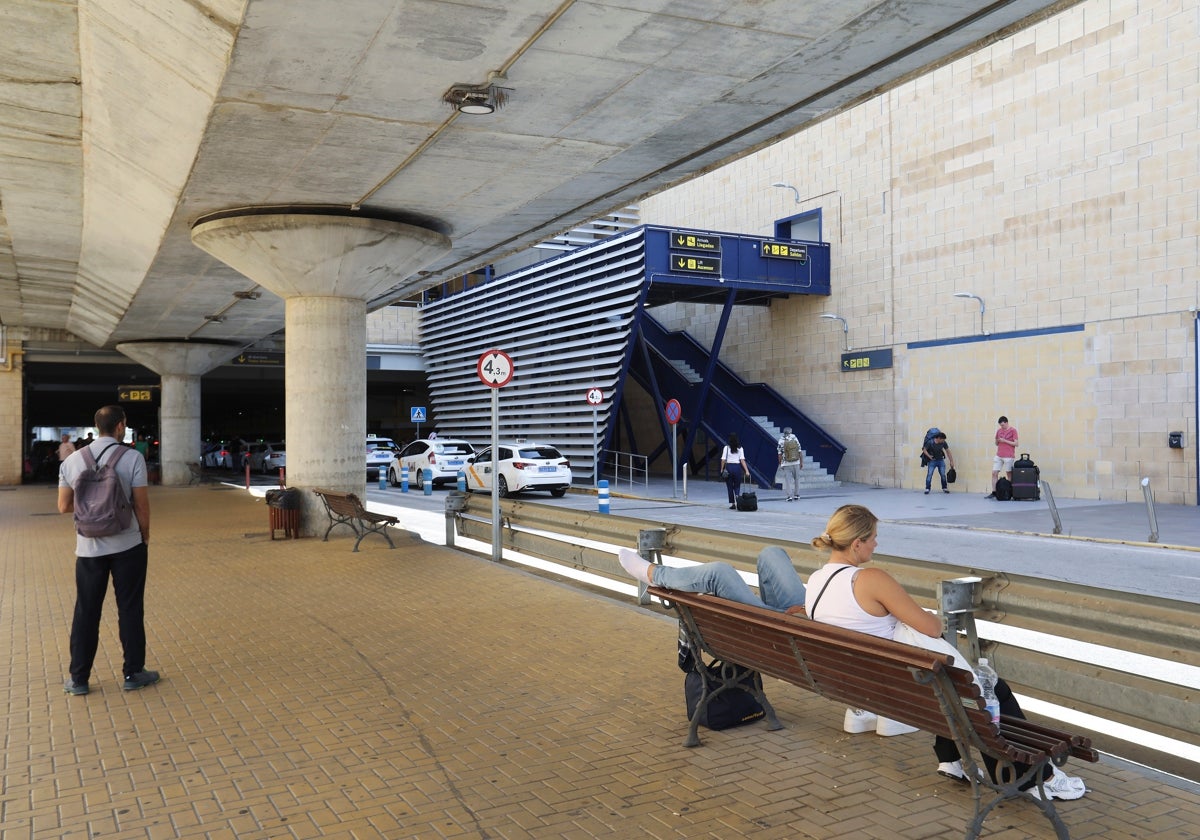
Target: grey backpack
x,y
102,507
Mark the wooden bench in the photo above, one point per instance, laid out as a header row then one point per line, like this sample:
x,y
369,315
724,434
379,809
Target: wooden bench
x,y
347,509
894,680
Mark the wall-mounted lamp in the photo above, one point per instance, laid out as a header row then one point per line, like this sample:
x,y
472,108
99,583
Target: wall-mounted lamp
x,y
845,327
788,187
982,308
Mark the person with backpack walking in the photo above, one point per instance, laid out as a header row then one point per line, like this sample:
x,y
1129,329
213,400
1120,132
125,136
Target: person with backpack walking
x,y
104,485
937,451
791,461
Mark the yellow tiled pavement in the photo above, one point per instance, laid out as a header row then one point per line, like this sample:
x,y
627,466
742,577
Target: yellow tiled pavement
x,y
312,692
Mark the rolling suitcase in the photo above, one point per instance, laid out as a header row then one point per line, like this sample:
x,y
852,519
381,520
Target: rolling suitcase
x,y
1025,477
748,498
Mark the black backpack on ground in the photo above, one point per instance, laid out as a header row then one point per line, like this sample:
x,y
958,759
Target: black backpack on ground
x,y
732,707
1003,489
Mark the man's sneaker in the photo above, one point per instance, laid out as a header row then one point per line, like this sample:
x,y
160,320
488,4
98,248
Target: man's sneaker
x,y
859,720
954,770
72,687
991,495
926,492
1060,786
140,680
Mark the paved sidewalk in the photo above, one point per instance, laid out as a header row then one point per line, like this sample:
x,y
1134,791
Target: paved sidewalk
x,y
312,692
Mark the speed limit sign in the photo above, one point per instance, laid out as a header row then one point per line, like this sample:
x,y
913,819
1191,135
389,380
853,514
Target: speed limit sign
x,y
495,368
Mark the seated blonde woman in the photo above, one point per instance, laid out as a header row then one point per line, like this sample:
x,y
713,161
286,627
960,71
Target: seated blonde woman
x,y
872,601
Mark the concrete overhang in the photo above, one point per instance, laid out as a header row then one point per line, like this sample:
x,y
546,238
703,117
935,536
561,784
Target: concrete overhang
x,y
126,121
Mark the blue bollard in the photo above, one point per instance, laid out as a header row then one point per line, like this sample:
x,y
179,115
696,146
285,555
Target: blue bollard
x,y
428,485
602,494
404,478
462,482
383,478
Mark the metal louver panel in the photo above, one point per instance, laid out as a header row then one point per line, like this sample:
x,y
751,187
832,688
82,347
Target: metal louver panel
x,y
566,322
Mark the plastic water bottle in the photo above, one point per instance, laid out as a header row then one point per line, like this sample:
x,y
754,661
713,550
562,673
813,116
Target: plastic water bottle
x,y
987,678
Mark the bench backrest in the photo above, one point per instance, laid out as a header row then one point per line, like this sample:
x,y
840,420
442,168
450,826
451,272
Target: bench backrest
x,y
344,504
902,682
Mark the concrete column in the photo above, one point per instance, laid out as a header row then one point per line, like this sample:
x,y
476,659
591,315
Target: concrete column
x,y
180,364
325,266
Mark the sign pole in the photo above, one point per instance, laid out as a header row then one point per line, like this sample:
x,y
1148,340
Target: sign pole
x,y
673,412
495,370
496,547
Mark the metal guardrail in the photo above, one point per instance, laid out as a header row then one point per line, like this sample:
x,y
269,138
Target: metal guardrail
x,y
1141,624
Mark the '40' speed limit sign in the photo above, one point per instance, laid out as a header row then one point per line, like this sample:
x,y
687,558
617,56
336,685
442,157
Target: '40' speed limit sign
x,y
495,368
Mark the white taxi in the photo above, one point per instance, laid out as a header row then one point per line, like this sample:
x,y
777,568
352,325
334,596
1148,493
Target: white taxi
x,y
520,467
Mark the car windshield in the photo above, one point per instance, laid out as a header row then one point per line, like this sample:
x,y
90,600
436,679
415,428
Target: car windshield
x,y
453,449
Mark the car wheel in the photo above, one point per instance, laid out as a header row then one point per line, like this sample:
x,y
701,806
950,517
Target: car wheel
x,y
420,481
503,485
392,478
558,494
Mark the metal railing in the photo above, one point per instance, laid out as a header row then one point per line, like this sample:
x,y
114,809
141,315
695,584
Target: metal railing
x,y
627,467
1149,626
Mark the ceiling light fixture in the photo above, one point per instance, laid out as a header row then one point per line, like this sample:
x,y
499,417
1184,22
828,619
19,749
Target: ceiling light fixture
x,y
214,319
478,99
251,295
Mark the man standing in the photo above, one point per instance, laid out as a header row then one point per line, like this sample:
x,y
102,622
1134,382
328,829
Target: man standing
x,y
937,451
791,461
65,449
1006,449
122,555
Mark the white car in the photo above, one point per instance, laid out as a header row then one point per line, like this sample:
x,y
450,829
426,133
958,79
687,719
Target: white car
x,y
521,466
380,451
267,458
437,461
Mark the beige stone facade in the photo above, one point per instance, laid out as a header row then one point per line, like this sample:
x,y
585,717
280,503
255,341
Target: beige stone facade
x,y
12,446
1056,175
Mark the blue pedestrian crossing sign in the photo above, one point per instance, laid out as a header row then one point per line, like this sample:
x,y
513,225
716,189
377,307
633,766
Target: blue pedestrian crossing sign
x,y
418,414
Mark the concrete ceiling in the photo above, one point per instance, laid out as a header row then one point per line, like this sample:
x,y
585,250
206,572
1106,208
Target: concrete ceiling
x,y
123,121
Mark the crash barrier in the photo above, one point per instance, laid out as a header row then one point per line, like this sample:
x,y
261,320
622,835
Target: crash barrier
x,y
1141,696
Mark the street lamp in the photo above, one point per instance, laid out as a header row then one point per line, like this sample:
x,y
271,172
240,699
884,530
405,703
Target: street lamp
x,y
845,327
981,307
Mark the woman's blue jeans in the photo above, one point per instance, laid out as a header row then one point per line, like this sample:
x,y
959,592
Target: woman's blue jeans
x,y
779,585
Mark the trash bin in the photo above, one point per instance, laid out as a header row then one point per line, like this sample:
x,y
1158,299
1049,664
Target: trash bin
x,y
283,506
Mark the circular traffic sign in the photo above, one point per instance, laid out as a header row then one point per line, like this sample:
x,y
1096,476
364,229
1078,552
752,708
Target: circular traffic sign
x,y
495,368
595,396
673,411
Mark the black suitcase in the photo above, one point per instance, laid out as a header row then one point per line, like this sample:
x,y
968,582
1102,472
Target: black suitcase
x,y
1025,477
747,499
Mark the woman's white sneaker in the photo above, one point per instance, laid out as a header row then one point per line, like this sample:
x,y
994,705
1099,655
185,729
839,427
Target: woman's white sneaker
x,y
857,721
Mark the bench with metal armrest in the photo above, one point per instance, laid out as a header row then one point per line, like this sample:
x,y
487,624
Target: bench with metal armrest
x,y
897,681
347,509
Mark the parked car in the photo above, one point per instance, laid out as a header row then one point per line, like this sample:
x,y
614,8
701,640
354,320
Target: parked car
x,y
437,461
267,458
521,466
380,452
230,454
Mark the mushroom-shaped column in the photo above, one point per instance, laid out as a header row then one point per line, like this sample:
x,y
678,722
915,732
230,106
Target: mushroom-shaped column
x,y
326,267
180,363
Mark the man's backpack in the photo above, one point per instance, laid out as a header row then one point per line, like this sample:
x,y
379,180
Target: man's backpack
x,y
102,507
1003,489
791,449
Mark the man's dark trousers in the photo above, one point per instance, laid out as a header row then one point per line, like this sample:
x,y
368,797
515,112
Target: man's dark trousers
x,y
128,570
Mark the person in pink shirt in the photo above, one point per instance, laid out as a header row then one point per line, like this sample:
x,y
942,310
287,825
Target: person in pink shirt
x,y
1006,449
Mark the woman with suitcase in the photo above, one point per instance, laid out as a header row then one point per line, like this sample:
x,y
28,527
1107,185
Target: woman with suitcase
x,y
733,468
